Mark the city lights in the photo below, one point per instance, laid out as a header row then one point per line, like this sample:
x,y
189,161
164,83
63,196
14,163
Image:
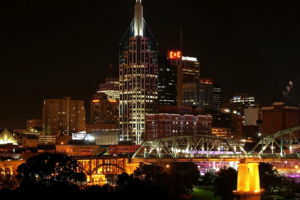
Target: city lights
x,y
196,114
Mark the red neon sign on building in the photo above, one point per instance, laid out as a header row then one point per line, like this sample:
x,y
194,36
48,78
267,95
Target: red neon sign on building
x,y
174,55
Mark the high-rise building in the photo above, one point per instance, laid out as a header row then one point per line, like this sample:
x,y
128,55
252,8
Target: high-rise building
x,y
104,106
206,94
104,109
239,102
190,94
187,78
138,74
63,116
178,80
217,97
166,83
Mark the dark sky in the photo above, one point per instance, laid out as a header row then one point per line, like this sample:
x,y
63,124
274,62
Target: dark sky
x,y
57,48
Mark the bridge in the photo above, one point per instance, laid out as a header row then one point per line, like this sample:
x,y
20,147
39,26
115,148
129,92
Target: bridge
x,y
281,145
281,149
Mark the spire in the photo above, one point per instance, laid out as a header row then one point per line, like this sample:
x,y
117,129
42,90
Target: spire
x,y
138,19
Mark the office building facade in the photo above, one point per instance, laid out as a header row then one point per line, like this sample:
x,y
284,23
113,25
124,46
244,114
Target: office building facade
x,y
104,109
239,102
279,117
167,92
63,116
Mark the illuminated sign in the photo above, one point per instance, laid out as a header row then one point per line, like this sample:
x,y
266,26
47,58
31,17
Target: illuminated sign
x,y
96,101
78,136
175,55
189,59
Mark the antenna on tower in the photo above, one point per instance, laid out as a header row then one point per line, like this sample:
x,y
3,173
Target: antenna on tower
x,y
181,39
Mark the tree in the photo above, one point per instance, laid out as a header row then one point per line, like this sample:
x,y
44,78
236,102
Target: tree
x,y
143,189
226,183
151,173
269,177
178,178
50,171
208,178
184,176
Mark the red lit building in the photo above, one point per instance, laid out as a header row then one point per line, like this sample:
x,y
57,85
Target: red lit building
x,y
79,150
279,117
123,149
165,125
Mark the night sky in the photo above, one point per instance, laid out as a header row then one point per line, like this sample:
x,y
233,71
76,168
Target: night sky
x,y
58,48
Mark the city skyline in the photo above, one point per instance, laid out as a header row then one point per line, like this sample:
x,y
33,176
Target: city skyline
x,y
53,52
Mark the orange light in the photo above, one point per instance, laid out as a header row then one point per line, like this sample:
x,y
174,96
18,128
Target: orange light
x,y
112,101
175,55
96,101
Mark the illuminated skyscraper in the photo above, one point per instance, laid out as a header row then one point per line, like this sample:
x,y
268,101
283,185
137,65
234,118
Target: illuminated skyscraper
x,y
138,74
187,77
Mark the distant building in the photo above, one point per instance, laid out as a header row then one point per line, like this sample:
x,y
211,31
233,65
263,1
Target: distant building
x,y
165,125
123,149
104,137
29,141
190,92
63,116
279,117
187,79
7,137
239,102
178,81
101,127
47,139
206,94
79,150
230,123
251,116
63,139
189,67
217,97
33,124
110,88
221,132
166,84
104,109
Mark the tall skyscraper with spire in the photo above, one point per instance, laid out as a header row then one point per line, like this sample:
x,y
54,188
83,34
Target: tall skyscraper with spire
x,y
138,76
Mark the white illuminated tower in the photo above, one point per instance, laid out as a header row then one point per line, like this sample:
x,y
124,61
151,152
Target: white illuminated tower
x,y
138,75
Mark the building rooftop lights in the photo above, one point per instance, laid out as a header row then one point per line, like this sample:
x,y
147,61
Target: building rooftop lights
x,y
189,58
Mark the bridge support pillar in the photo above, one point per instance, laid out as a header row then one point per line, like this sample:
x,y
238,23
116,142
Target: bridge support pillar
x,y
248,185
